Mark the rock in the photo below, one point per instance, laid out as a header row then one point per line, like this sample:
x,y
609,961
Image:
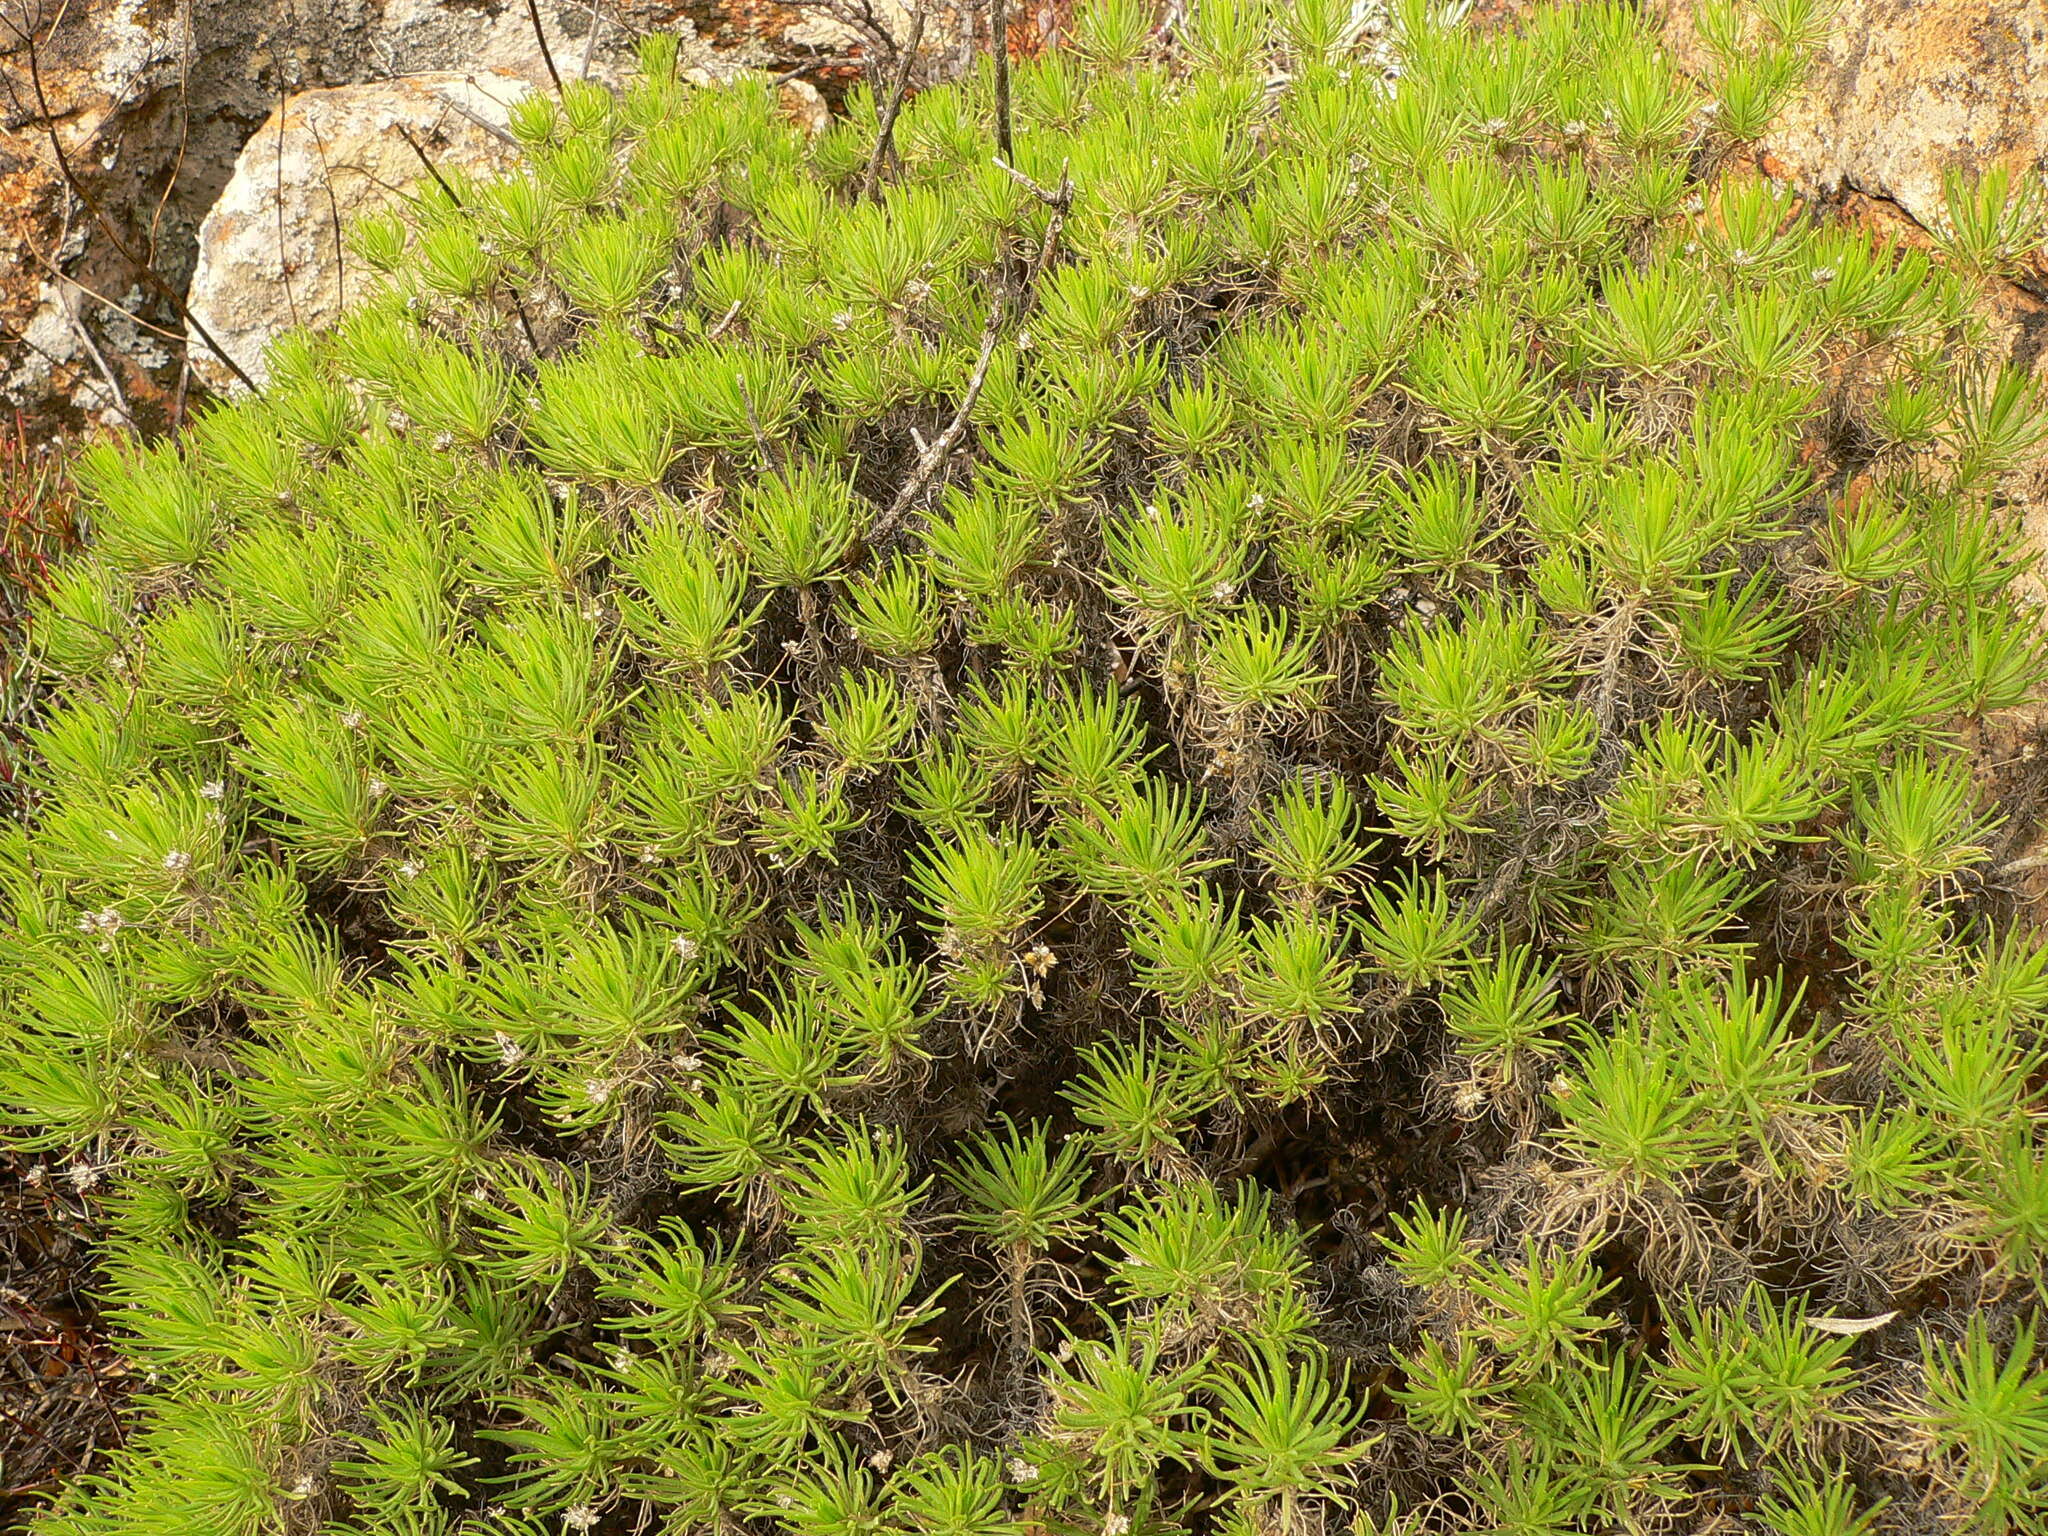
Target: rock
x,y
49,338
1900,92
271,250
803,105
1903,89
945,48
152,101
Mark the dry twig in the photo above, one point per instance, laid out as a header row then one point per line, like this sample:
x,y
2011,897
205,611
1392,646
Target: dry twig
x,y
149,273
885,137
942,446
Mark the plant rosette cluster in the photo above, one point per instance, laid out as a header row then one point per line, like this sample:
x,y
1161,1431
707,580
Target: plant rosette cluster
x,y
1258,823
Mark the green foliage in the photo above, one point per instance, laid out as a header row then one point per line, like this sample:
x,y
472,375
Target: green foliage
x,y
1281,822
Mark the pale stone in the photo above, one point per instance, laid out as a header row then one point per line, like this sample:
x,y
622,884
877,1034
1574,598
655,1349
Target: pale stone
x,y
1901,90
272,251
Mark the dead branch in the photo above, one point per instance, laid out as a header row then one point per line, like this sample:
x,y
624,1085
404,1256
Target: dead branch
x,y
1056,200
999,30
192,323
885,137
540,35
840,61
932,458
84,334
432,169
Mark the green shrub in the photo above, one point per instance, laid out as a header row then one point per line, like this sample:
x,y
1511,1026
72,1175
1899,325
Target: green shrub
x,y
1265,825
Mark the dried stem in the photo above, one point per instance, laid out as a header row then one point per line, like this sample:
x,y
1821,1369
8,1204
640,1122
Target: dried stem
x,y
840,61
885,138
540,36
78,188
433,170
999,38
932,458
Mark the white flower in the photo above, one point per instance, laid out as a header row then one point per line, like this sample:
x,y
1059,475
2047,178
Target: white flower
x,y
578,1517
378,789
1021,1471
83,1177
412,869
510,1051
213,789
684,946
177,861
106,921
1822,276
597,1092
352,720
1116,1525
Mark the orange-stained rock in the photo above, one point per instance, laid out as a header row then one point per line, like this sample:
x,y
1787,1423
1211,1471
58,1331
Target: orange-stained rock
x,y
153,101
1902,89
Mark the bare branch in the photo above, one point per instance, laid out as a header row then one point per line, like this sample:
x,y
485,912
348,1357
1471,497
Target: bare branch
x,y
540,35
432,169
839,61
1057,200
727,319
84,334
484,123
589,43
930,461
149,273
999,37
885,139
861,19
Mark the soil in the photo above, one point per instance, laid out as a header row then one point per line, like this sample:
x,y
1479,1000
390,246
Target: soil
x,y
62,1388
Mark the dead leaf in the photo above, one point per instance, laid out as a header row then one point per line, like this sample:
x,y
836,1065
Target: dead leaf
x,y
1849,1327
